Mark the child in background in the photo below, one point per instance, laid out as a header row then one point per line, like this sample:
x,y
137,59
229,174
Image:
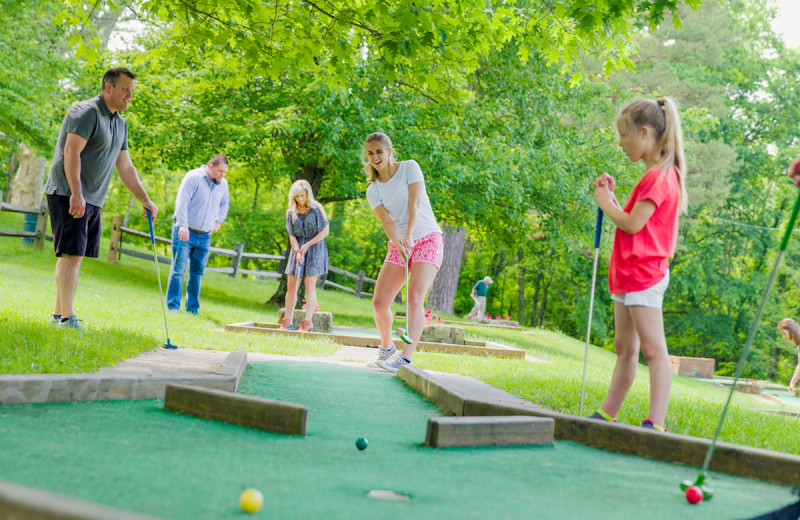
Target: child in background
x,y
791,331
645,240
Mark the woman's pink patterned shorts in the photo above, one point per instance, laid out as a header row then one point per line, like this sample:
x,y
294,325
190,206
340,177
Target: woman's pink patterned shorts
x,y
428,249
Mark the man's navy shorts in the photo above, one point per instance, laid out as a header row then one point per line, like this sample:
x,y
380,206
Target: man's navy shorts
x,y
74,236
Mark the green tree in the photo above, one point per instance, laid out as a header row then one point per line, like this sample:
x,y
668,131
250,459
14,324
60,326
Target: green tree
x,y
431,47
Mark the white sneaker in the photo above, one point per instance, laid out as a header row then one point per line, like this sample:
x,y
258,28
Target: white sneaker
x,y
394,363
383,355
55,320
72,323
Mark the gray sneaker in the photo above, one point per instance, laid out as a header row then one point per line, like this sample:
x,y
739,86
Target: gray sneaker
x,y
72,323
55,320
394,362
383,355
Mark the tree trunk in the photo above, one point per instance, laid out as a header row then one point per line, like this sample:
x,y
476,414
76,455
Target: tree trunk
x,y
544,302
443,292
521,283
12,164
26,190
497,267
537,283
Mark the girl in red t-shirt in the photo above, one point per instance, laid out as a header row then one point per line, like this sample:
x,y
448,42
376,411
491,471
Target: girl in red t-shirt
x,y
647,231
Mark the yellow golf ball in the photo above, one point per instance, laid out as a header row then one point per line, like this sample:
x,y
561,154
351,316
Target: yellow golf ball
x,y
251,500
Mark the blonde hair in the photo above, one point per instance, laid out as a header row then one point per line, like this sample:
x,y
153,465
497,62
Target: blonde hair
x,y
370,170
790,326
296,188
663,118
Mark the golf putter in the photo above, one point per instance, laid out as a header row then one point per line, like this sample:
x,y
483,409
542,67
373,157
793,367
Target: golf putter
x,y
597,230
707,493
405,337
168,344
297,267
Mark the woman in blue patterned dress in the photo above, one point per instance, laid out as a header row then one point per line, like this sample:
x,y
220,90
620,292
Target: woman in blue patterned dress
x,y
307,226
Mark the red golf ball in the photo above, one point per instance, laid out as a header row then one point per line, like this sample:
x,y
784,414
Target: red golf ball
x,y
694,494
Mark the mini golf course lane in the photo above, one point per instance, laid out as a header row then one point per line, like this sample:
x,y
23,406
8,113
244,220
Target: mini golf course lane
x,y
136,456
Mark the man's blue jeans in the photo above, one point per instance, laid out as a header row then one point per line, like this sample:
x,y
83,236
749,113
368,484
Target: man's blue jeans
x,y
195,252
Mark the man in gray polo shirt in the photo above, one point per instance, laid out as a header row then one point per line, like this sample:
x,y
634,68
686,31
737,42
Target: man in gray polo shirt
x,y
92,141
200,209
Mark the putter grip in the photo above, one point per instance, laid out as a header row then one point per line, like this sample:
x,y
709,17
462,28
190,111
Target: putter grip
x,y
150,221
792,220
598,228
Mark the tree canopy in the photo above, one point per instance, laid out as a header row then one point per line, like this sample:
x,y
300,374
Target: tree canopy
x,y
431,47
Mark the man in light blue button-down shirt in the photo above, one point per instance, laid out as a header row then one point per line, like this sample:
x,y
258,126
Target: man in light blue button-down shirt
x,y
200,208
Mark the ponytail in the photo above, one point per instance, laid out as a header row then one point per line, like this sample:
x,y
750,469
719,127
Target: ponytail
x,y
671,144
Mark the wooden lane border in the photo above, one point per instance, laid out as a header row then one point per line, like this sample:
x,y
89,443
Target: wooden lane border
x,y
505,430
27,503
728,458
243,410
474,348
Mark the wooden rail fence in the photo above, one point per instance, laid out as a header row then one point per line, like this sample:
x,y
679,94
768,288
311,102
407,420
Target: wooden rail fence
x,y
39,235
236,255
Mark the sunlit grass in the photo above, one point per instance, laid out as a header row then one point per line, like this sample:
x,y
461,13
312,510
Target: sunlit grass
x,y
121,306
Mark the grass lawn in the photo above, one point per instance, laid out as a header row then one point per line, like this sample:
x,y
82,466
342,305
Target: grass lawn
x,y
120,305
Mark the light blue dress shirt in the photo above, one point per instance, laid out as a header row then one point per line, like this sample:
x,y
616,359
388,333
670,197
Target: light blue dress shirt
x,y
200,202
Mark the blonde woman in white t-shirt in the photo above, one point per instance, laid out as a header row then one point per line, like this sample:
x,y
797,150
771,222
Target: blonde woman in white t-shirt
x,y
397,195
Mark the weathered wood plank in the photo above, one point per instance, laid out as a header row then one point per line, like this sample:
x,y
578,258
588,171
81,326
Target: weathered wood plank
x,y
245,410
509,430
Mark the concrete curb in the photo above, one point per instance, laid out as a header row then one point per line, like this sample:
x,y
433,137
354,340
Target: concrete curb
x,y
26,503
53,388
466,397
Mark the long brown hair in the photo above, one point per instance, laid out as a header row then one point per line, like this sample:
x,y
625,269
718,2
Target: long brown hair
x,y
663,118
791,327
370,170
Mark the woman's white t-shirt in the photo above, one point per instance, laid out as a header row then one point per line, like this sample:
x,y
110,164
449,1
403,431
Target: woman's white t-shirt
x,y
393,195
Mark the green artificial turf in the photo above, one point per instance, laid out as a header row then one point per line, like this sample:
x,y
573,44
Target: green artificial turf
x,y
138,457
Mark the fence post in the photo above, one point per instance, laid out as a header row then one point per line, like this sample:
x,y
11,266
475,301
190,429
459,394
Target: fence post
x,y
41,226
116,236
360,283
237,259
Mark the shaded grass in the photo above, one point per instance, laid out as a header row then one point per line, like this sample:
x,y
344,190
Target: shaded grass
x,y
121,306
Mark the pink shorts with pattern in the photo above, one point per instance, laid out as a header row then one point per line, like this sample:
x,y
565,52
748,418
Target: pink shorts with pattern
x,y
428,249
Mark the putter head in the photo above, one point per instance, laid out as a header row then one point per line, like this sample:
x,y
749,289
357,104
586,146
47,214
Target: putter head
x,y
169,346
406,339
708,493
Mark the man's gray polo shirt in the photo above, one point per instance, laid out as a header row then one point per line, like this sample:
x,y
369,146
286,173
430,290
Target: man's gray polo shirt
x,y
105,133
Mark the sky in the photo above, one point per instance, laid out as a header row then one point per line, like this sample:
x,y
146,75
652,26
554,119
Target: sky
x,y
787,23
